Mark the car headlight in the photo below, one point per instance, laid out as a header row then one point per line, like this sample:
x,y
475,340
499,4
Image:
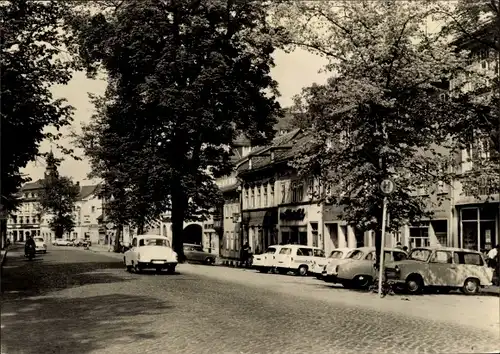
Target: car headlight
x,y
175,255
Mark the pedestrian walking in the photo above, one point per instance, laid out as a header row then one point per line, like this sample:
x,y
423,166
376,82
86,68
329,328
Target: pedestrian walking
x,y
245,250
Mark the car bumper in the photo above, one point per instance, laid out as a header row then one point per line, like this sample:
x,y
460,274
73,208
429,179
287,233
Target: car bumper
x,y
156,264
330,278
40,249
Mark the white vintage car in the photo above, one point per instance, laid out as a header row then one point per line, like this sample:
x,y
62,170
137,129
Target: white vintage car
x,y
297,258
266,261
444,268
150,251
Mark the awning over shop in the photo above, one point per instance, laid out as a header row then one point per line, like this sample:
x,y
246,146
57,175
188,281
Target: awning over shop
x,y
260,218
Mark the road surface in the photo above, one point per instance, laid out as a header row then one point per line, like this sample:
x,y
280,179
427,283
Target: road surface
x,y
76,301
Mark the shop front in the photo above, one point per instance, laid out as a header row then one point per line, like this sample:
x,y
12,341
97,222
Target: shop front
x,y
338,234
259,228
479,226
301,225
430,232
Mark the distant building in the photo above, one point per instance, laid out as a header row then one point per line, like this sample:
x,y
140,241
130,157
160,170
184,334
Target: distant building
x,y
25,221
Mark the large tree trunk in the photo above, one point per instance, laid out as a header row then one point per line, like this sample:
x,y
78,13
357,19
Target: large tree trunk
x,y
117,247
3,232
179,206
140,228
59,231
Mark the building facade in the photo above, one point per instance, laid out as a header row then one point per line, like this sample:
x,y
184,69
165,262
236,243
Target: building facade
x,y
26,220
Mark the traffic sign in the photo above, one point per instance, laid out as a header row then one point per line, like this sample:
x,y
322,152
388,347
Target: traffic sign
x,y
387,186
110,225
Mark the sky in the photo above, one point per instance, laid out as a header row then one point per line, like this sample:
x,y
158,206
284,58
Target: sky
x,y
293,71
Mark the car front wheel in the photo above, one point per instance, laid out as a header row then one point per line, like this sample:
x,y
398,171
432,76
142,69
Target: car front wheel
x,y
415,284
471,287
209,261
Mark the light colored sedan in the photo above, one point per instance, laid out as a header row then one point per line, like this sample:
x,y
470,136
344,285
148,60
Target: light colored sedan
x,y
61,242
150,251
320,265
359,271
40,245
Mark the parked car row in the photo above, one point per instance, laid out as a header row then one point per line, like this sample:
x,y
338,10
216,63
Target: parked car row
x,y
73,242
424,267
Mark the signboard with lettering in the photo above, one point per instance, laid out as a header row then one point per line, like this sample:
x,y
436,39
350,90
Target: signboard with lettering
x,y
293,215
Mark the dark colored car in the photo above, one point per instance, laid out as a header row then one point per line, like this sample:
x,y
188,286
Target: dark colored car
x,y
195,253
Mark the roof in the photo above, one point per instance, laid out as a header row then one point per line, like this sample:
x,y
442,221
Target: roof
x,y
32,185
86,191
284,147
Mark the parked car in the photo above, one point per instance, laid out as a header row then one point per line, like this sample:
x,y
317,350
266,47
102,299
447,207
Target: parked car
x,y
319,266
40,245
61,242
297,258
329,273
80,243
441,267
195,253
359,271
150,251
266,261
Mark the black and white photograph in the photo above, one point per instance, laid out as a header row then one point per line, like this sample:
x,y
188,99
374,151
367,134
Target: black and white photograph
x,y
249,176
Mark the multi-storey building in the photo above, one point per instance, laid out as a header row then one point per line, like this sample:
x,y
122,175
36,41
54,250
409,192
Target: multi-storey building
x,y
88,209
476,219
25,221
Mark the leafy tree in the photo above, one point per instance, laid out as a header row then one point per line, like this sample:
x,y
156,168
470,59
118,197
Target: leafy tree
x,y
477,24
380,115
57,198
185,78
30,42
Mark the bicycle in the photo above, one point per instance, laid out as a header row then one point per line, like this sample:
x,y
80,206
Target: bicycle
x,y
388,287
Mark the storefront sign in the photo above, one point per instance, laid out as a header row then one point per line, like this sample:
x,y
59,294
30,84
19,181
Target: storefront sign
x,y
293,215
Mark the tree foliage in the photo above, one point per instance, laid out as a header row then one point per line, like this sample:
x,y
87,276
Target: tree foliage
x,y
185,78
31,38
57,198
382,114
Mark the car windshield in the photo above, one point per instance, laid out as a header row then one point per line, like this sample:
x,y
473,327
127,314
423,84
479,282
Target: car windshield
x,y
336,254
156,242
420,255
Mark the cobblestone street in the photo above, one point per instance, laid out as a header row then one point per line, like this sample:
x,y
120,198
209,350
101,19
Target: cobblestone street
x,y
76,301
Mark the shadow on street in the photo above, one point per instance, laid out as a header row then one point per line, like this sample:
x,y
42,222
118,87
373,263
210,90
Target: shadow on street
x,y
78,325
23,278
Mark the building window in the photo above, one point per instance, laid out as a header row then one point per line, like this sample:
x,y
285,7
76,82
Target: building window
x,y
271,194
21,220
265,196
419,235
257,197
297,192
246,198
252,197
283,192
92,209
